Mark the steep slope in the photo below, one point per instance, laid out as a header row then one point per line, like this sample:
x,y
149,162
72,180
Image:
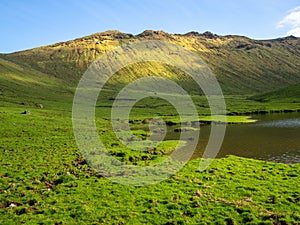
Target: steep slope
x,y
242,65
23,85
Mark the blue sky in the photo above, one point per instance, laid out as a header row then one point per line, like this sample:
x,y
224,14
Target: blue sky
x,y
31,23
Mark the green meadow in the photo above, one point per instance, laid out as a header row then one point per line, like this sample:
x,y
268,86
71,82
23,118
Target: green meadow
x,y
45,180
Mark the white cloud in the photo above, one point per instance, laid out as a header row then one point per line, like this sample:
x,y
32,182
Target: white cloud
x,y
292,20
295,32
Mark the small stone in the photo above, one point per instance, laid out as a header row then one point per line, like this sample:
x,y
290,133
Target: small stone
x,y
12,205
39,106
12,185
26,112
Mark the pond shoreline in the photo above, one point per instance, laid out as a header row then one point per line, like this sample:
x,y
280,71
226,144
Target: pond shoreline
x,y
263,112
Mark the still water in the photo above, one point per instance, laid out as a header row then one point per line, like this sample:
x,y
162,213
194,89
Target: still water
x,y
274,137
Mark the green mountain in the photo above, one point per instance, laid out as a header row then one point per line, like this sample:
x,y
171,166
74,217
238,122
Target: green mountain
x,y
242,65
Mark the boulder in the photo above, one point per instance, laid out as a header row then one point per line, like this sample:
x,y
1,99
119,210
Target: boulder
x,y
39,106
26,112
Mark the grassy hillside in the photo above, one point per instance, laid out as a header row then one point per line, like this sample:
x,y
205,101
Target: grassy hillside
x,y
242,65
288,94
21,85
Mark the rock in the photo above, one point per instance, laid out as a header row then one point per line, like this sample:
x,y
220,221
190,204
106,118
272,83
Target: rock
x,y
182,129
192,33
39,106
209,35
26,112
151,33
170,123
268,45
245,46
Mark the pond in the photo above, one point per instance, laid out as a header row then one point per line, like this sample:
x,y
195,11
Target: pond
x,y
274,137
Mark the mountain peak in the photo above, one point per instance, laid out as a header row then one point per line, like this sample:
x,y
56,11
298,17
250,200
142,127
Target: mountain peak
x,y
150,33
192,33
206,34
110,32
114,33
209,35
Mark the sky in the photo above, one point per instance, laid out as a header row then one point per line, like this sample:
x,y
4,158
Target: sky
x,y
31,23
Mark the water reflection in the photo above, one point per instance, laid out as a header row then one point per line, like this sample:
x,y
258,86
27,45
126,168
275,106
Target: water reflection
x,y
281,123
275,137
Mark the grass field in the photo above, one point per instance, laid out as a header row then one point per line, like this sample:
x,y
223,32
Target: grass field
x,y
45,179
289,94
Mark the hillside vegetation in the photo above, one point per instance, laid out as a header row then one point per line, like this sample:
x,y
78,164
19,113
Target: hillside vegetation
x,y
288,94
23,85
242,65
